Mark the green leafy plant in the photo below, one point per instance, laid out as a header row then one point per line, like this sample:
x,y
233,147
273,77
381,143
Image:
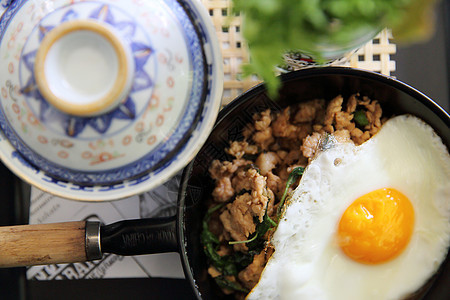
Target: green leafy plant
x,y
230,285
272,27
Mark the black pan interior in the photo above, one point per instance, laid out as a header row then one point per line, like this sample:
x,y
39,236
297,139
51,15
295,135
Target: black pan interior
x,y
395,97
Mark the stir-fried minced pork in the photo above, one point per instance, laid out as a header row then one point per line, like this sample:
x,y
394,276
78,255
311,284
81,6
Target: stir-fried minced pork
x,y
266,162
251,186
239,148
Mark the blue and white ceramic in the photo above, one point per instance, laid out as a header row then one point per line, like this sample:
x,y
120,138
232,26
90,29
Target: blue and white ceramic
x,y
101,100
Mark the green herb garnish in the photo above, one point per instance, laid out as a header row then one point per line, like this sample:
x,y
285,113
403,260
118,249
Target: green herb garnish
x,y
210,243
207,237
273,27
293,177
224,283
360,118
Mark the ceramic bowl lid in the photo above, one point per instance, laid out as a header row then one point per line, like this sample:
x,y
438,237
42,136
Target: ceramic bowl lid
x,y
102,100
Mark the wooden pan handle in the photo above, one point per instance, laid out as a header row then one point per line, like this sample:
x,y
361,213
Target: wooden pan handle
x,y
41,244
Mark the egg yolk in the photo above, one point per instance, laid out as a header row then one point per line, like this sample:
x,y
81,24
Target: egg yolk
x,y
376,227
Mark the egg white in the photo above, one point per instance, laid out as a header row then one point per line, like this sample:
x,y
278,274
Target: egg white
x,y
308,264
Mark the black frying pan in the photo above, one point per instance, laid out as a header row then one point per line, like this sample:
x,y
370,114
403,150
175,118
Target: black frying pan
x,y
182,232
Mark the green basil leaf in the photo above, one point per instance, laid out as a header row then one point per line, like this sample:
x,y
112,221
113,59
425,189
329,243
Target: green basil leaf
x,y
292,178
224,283
360,118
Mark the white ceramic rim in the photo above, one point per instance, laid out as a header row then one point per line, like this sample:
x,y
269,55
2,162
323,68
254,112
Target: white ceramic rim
x,y
211,109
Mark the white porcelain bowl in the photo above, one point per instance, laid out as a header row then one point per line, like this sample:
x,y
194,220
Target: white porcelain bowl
x,y
102,100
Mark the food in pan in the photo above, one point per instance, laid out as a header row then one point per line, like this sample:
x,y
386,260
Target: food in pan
x,y
366,222
254,191
265,167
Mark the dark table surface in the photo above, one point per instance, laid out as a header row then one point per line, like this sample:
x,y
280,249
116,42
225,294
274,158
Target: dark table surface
x,y
425,66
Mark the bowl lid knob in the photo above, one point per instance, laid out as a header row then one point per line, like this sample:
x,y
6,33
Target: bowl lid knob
x,y
82,68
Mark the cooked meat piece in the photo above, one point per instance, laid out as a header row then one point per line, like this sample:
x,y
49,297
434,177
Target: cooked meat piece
x,y
310,144
250,275
289,143
317,128
241,181
275,147
263,120
260,194
266,162
351,104
364,101
274,182
327,129
358,136
213,272
304,130
223,190
237,220
292,157
239,148
282,126
241,216
259,205
282,154
350,126
309,111
224,250
258,182
263,138
342,120
342,136
219,169
248,179
356,133
369,105
374,119
260,132
333,107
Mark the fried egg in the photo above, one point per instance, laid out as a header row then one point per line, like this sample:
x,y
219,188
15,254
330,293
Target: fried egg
x,y
366,222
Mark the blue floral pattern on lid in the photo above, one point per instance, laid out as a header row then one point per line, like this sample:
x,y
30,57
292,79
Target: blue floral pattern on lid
x,y
102,161
72,125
